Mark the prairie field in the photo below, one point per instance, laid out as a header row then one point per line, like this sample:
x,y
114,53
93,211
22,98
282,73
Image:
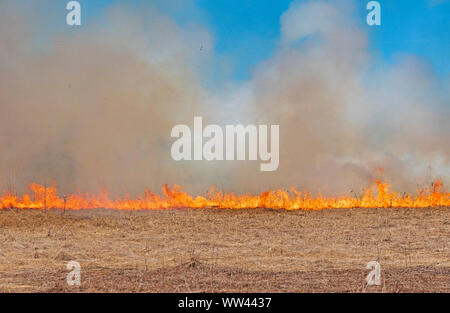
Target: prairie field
x,y
212,250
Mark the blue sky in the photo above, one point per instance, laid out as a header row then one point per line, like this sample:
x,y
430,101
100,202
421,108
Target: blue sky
x,y
246,31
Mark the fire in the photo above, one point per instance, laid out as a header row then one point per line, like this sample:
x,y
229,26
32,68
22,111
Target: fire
x,y
47,198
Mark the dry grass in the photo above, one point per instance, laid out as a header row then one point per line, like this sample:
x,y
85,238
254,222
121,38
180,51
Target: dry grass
x,y
225,250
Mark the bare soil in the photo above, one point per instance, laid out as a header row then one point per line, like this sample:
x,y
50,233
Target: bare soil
x,y
225,250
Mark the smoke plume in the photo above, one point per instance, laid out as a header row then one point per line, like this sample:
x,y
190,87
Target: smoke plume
x,y
93,108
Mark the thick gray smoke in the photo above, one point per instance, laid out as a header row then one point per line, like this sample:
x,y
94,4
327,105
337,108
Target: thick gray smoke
x,y
339,118
94,108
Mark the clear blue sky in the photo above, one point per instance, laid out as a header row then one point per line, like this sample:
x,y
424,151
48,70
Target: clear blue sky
x,y
246,31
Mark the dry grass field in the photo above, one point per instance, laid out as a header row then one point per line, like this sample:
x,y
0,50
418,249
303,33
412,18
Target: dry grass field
x,y
225,250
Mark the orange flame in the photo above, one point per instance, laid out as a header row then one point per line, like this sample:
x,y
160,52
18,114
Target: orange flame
x,y
47,198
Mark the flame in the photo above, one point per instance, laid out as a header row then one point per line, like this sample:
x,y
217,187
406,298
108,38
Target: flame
x,y
47,198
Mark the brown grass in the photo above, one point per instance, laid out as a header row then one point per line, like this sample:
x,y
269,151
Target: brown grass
x,y
225,250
